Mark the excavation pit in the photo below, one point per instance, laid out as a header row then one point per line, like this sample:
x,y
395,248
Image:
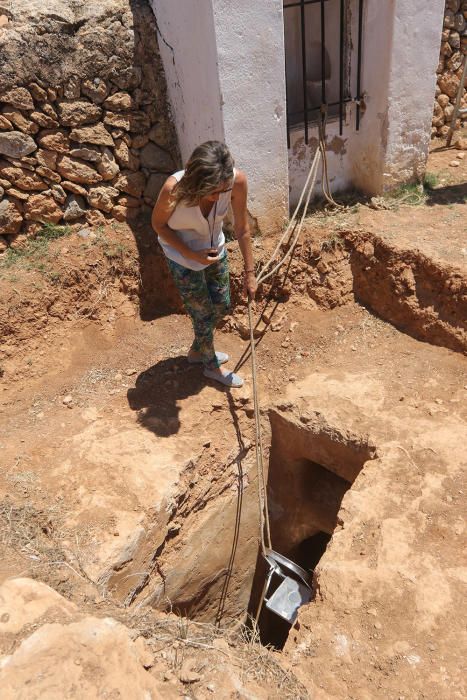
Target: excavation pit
x,y
312,466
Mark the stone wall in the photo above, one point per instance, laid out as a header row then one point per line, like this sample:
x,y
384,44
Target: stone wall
x,y
85,132
453,48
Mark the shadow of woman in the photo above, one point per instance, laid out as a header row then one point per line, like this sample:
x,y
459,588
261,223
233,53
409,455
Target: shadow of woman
x,y
158,390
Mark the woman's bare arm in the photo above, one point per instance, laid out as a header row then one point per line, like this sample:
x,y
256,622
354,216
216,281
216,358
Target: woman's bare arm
x,y
242,228
161,214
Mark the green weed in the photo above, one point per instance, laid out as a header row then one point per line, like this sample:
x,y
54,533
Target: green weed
x,y
34,254
413,194
114,250
430,181
51,231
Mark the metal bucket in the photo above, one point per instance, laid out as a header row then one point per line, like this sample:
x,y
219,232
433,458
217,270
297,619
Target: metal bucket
x,y
293,590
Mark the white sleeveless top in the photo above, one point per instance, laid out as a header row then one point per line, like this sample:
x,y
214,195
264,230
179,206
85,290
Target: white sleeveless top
x,y
195,230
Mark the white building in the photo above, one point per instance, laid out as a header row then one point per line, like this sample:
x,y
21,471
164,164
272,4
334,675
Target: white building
x,y
255,75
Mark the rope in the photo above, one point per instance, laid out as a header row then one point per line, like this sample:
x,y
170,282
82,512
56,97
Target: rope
x,y
324,173
265,529
264,274
292,220
314,172
307,188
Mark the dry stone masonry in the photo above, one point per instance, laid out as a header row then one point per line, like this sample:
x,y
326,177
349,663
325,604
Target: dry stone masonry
x,y
449,71
85,132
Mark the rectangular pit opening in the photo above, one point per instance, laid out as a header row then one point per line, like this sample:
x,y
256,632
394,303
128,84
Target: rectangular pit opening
x,y
311,468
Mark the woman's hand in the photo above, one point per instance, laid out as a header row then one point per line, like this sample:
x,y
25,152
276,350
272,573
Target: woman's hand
x,y
249,284
205,256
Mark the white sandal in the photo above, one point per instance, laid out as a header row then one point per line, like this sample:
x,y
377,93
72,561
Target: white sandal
x,y
231,379
221,358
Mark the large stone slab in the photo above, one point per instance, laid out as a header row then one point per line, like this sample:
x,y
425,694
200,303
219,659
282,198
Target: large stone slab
x,y
90,658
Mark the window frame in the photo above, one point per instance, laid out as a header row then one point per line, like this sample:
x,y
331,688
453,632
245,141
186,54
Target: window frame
x,y
345,95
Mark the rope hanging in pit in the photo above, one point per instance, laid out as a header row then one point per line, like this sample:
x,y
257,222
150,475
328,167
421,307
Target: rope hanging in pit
x,y
264,274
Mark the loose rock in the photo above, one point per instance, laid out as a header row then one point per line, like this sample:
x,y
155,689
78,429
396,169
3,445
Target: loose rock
x,y
107,166
88,153
18,97
131,183
43,208
47,158
20,121
96,134
72,89
39,94
119,102
96,90
77,171
75,207
58,193
102,197
54,140
5,125
78,112
48,174
94,217
16,144
44,120
10,217
29,181
73,187
18,194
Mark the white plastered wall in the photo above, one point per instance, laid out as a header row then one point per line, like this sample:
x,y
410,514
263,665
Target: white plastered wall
x,y
399,59
414,57
187,43
224,65
250,45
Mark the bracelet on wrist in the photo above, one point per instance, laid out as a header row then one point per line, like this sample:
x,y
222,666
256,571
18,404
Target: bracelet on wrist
x,y
248,271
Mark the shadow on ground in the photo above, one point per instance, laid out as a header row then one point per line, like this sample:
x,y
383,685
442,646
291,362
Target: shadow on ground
x,y
158,390
451,194
157,294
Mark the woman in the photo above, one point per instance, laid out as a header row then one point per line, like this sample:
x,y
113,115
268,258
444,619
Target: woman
x,y
188,218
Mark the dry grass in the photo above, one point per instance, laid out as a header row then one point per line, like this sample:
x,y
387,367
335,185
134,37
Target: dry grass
x,y
178,638
36,537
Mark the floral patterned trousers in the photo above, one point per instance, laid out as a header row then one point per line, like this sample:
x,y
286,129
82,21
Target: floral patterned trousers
x,y
206,297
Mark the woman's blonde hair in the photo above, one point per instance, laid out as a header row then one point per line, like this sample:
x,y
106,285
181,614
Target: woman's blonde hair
x,y
210,165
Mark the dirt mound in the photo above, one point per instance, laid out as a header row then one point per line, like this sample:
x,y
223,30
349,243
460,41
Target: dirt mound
x,y
74,274
58,650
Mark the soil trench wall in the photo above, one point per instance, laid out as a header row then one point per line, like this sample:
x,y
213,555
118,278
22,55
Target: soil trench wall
x,y
85,131
449,71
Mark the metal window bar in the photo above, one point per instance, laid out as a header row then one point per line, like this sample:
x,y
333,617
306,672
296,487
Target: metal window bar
x,y
359,62
323,107
305,110
341,67
323,54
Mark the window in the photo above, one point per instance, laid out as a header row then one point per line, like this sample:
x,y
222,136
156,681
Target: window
x,y
318,60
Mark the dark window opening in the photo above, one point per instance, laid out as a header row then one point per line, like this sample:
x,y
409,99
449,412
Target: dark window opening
x,y
317,36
